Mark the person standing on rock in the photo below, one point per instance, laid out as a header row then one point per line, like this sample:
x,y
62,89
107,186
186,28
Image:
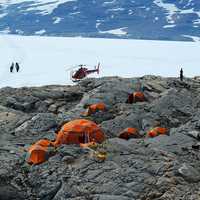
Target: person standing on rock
x,y
17,66
181,74
12,67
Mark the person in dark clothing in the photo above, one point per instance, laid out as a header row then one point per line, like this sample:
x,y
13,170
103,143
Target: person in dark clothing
x,y
17,66
12,67
181,74
130,98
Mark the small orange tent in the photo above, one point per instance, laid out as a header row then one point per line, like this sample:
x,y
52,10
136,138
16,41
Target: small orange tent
x,y
157,131
79,131
95,108
37,153
136,97
129,133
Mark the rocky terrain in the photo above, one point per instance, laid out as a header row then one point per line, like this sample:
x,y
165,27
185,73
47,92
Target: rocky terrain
x,y
160,168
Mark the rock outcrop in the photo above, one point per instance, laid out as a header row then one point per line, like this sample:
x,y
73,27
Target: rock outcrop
x,y
166,167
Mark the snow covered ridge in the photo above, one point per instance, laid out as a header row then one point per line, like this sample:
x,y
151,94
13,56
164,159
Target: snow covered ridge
x,y
44,6
172,10
49,60
138,19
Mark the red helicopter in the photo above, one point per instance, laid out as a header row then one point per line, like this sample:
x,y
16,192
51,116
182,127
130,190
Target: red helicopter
x,y
82,72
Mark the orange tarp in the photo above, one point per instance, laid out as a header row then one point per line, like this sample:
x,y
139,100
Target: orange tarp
x,y
95,108
129,133
79,131
139,96
157,131
89,144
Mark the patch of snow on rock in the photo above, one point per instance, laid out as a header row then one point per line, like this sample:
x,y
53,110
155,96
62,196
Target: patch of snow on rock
x,y
195,38
169,7
169,26
57,20
119,31
40,32
44,6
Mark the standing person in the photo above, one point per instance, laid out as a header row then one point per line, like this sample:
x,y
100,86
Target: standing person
x,y
138,86
17,66
181,74
12,67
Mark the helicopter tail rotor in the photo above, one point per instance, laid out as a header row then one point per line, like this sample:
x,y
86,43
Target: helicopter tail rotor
x,y
98,68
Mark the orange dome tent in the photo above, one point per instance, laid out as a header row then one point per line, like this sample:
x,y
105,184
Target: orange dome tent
x,y
129,133
157,131
38,152
95,108
136,97
79,131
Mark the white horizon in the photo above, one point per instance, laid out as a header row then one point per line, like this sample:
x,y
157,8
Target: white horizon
x,y
45,60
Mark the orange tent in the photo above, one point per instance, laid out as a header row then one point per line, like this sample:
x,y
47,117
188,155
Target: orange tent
x,y
37,153
136,97
157,131
79,131
129,133
95,108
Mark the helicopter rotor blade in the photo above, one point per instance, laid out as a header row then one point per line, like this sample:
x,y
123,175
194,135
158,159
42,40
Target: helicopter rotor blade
x,y
80,65
71,68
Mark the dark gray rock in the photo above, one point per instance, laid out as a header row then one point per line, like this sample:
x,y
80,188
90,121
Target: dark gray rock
x,y
49,191
38,123
70,150
162,168
111,197
10,193
189,173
